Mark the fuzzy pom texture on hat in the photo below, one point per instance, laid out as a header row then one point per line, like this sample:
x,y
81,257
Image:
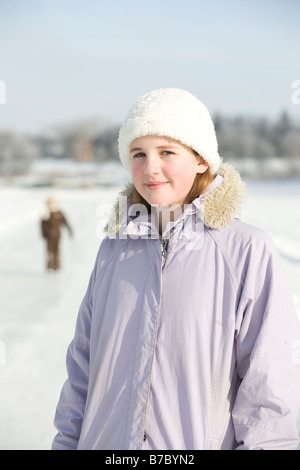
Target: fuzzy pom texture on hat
x,y
174,113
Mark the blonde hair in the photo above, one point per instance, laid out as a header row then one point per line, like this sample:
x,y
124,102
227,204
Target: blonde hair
x,y
200,184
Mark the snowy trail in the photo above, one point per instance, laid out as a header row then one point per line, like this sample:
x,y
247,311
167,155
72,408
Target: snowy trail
x,y
38,312
274,207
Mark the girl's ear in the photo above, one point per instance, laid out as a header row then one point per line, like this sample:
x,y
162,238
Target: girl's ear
x,y
202,165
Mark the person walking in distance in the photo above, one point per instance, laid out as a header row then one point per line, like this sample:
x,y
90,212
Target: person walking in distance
x,y
51,225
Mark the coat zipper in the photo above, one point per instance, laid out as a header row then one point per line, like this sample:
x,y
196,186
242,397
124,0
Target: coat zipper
x,y
164,247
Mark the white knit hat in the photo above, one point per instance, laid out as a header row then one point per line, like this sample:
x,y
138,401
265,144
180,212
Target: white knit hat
x,y
173,113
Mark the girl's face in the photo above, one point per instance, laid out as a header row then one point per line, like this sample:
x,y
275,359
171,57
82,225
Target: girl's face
x,y
163,169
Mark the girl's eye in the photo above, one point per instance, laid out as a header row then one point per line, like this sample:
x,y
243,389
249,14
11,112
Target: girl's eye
x,y
143,154
139,154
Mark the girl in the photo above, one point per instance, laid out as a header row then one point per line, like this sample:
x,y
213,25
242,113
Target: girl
x,y
187,336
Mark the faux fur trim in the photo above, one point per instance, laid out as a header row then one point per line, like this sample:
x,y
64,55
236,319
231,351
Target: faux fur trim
x,y
113,224
223,204
218,208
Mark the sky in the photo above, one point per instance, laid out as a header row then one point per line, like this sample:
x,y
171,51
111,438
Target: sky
x,y
66,60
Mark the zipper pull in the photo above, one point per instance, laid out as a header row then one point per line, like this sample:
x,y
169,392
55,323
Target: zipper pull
x,y
164,247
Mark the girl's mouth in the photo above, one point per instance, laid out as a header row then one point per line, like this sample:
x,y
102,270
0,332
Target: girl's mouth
x,y
154,185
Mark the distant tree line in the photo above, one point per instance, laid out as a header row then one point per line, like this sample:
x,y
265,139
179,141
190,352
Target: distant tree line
x,y
90,140
242,137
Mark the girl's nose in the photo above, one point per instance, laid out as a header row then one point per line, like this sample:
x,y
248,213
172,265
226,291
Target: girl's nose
x,y
152,165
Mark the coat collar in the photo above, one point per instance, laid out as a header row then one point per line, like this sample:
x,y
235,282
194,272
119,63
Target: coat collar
x,y
217,207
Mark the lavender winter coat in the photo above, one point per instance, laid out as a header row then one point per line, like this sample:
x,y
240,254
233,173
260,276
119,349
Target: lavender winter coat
x,y
195,350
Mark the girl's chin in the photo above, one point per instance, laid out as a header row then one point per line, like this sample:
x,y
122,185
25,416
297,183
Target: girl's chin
x,y
159,198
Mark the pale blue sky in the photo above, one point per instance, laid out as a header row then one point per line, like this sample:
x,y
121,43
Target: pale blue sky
x,y
64,60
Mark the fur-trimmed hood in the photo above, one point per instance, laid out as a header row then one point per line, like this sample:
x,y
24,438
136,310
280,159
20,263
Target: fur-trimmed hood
x,y
223,204
217,209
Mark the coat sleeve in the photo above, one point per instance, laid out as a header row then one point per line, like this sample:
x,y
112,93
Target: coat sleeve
x,y
44,228
71,405
65,222
267,403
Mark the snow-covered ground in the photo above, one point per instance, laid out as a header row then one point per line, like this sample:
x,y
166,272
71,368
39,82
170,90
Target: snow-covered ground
x,y
38,312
